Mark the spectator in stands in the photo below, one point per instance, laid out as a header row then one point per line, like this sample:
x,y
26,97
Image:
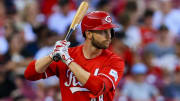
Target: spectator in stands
x,y
47,6
177,51
7,84
3,41
31,19
163,43
169,16
59,21
46,40
172,91
154,74
162,49
104,5
11,38
138,89
2,15
23,91
14,60
148,33
132,32
119,47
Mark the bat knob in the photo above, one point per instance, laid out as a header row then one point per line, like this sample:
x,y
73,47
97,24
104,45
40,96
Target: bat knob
x,y
57,57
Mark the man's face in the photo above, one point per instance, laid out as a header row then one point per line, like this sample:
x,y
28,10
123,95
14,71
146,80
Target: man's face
x,y
177,77
139,78
101,38
65,9
177,49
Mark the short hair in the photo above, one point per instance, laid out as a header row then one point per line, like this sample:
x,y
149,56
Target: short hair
x,y
63,2
163,28
124,19
148,13
84,34
119,35
131,6
101,3
177,40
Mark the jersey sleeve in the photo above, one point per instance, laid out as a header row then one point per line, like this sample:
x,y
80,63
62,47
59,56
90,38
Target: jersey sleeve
x,y
113,71
31,74
107,79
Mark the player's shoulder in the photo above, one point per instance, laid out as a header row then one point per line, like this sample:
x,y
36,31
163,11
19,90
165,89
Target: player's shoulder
x,y
114,61
112,56
75,49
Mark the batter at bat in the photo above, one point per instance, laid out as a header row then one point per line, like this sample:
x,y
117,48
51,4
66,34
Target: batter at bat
x,y
77,18
89,72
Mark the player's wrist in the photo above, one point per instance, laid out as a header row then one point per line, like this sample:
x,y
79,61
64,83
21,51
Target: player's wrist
x,y
53,53
66,58
50,56
69,61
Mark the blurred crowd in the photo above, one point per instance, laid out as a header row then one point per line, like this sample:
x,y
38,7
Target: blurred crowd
x,y
148,39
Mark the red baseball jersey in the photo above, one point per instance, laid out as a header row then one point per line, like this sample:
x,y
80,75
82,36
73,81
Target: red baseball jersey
x,y
148,35
107,66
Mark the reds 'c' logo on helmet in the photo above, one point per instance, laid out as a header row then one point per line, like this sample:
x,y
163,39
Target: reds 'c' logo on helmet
x,y
108,19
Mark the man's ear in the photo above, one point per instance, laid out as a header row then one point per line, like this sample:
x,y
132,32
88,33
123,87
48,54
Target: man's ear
x,y
88,34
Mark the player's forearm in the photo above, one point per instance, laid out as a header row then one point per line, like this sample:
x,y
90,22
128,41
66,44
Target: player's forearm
x,y
42,64
81,74
91,82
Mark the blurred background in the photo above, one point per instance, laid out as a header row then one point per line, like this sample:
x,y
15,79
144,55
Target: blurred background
x,y
148,40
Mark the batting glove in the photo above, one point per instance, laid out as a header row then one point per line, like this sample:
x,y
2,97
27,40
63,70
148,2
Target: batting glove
x,y
61,48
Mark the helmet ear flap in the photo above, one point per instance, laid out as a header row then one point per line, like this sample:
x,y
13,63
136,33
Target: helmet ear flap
x,y
112,33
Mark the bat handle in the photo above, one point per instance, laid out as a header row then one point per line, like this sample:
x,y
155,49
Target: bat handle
x,y
69,34
57,56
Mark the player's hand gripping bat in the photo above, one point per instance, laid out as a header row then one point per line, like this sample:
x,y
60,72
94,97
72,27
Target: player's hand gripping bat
x,y
77,19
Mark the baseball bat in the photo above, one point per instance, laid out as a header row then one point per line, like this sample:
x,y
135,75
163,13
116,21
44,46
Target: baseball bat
x,y
77,19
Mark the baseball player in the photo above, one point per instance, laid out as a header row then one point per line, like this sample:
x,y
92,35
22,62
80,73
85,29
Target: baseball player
x,y
89,72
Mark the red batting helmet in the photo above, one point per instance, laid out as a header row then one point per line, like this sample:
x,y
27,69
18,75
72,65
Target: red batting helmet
x,y
97,20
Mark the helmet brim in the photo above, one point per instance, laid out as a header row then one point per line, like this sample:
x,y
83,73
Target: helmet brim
x,y
105,26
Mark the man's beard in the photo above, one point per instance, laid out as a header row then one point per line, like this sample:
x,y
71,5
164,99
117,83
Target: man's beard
x,y
97,44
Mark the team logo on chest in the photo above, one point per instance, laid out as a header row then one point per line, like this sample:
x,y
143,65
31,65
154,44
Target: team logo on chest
x,y
73,83
72,79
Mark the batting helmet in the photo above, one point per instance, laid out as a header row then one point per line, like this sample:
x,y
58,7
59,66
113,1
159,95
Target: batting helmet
x,y
97,20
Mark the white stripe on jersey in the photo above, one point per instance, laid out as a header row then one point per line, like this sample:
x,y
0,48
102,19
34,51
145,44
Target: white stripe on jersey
x,y
108,78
